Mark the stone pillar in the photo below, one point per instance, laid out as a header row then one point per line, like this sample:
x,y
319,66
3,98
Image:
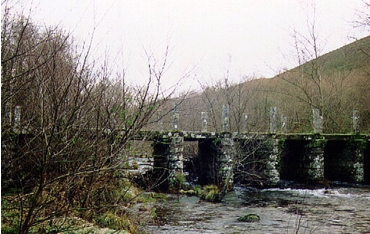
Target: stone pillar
x,y
317,121
17,115
314,163
160,121
226,118
283,124
273,120
204,119
272,162
355,122
175,157
358,165
175,117
225,159
168,160
355,152
17,118
245,122
8,114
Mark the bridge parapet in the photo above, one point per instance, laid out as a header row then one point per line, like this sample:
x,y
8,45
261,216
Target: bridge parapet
x,y
194,135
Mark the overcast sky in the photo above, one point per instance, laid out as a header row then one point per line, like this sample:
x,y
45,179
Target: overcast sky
x,y
246,38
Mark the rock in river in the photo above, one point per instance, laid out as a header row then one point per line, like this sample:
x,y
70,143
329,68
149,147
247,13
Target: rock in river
x,y
249,218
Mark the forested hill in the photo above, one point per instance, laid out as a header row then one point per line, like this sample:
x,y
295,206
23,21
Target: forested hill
x,y
336,83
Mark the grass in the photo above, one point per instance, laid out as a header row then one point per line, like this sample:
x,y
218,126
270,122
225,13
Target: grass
x,y
111,219
116,222
210,193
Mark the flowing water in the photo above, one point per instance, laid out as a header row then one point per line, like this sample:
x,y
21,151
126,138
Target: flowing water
x,y
338,210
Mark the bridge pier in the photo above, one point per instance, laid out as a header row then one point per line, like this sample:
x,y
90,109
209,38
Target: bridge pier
x,y
314,165
345,160
226,154
272,162
168,160
358,166
302,160
215,162
176,158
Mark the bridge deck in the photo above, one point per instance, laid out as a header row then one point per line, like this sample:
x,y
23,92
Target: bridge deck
x,y
194,136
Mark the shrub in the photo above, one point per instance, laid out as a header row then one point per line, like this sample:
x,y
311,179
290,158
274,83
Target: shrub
x,y
113,221
210,193
178,182
9,218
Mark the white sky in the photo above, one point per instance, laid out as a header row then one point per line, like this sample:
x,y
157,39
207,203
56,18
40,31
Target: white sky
x,y
248,38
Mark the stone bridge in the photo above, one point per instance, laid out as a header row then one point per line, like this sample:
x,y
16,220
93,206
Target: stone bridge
x,y
262,158
265,159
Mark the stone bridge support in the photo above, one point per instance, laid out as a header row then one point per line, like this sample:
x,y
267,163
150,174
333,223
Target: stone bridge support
x,y
302,160
358,166
175,157
314,161
345,160
168,160
215,162
272,162
226,164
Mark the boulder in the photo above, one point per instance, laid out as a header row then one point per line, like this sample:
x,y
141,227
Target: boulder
x,y
249,218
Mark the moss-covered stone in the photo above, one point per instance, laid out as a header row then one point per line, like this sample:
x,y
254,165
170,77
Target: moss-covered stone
x,y
249,218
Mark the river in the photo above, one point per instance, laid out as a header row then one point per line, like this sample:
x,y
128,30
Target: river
x,y
336,210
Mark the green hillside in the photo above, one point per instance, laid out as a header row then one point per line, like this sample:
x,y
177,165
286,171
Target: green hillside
x,y
355,55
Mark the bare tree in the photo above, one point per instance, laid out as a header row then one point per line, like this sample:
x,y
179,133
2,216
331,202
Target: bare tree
x,y
363,17
309,82
319,82
65,153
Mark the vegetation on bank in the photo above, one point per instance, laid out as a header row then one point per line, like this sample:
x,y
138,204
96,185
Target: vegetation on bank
x,y
66,125
106,218
179,185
